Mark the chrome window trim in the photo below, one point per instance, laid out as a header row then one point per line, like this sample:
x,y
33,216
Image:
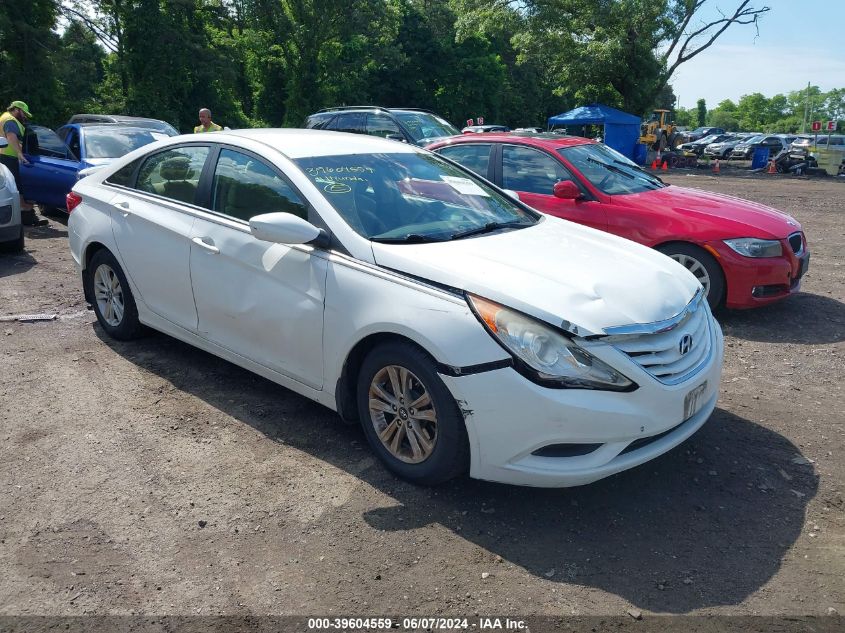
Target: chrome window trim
x,y
658,326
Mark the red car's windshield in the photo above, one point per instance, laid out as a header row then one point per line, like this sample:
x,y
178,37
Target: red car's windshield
x,y
609,171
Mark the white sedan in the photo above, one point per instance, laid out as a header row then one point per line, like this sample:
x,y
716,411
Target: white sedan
x,y
11,229
464,331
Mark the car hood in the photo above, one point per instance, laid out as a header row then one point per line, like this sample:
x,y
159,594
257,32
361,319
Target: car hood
x,y
568,275
425,142
730,217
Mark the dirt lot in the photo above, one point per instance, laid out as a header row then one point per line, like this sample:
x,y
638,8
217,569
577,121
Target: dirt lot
x,y
153,478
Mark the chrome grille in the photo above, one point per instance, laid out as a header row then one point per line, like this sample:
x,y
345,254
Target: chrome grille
x,y
797,243
661,354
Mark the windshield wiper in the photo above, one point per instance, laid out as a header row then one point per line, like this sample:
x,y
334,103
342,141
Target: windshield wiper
x,y
641,170
410,238
613,168
488,228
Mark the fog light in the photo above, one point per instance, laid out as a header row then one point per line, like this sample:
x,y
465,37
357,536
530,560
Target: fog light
x,y
760,292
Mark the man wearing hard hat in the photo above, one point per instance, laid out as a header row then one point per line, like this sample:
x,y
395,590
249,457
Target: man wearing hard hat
x,y
12,123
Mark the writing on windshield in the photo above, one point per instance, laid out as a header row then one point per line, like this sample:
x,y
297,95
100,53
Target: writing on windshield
x,y
411,197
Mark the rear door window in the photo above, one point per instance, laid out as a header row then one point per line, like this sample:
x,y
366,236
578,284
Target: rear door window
x,y
348,122
174,173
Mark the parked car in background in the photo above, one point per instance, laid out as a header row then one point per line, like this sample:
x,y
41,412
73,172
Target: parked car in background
x,y
409,125
56,158
744,254
773,142
722,149
700,132
535,130
133,121
11,229
833,142
482,129
698,146
409,295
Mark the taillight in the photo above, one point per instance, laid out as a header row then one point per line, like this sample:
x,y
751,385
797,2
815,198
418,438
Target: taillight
x,y
72,201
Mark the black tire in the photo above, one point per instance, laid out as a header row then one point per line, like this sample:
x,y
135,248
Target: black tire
x,y
120,324
660,143
16,245
698,261
430,442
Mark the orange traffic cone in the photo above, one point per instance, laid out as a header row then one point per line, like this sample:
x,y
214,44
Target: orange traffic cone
x,y
772,169
665,165
716,166
654,164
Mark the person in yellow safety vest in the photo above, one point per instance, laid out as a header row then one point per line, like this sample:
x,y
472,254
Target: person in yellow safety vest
x,y
12,124
206,124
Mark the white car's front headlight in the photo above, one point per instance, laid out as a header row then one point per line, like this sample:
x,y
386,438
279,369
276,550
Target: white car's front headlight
x,y
543,353
752,247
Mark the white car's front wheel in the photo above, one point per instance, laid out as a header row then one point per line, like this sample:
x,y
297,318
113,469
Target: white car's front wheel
x,y
409,417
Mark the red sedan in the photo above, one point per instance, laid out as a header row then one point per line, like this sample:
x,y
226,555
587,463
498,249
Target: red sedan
x,y
744,254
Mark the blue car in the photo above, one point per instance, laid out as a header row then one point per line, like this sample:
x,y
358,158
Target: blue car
x,y
56,158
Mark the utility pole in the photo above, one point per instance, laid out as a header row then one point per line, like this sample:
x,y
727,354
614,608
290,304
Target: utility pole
x,y
806,102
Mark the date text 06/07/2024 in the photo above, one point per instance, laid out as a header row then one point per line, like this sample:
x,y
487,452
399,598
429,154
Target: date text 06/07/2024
x,y
351,624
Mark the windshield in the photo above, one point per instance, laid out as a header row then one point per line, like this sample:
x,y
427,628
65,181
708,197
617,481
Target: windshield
x,y
114,143
753,139
161,126
708,139
609,171
424,125
411,197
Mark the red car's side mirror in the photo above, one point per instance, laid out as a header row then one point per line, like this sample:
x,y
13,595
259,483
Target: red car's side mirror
x,y
567,190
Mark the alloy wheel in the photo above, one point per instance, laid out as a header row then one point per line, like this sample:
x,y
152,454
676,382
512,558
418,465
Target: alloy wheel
x,y
403,414
109,295
696,268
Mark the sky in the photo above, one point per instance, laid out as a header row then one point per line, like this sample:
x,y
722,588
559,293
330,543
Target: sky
x,y
799,41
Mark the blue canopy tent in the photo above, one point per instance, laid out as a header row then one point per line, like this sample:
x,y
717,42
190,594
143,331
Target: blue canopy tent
x,y
621,130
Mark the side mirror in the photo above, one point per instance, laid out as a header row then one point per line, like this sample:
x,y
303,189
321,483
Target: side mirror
x,y
396,137
567,190
511,193
283,228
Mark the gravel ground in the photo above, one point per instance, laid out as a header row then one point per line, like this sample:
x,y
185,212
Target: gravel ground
x,y
152,478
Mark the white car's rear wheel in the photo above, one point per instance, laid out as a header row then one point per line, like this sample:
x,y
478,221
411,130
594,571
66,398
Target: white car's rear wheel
x,y
409,417
113,302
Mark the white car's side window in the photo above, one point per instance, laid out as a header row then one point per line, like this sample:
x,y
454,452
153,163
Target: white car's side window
x,y
244,186
174,173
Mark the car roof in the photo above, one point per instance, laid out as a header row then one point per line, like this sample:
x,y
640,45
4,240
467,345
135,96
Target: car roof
x,y
299,143
544,140
105,125
372,108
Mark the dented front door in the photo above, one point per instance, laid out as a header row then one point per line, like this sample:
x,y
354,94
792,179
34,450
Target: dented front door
x,y
260,300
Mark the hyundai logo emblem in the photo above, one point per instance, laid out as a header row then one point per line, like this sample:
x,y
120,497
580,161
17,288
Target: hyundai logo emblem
x,y
685,345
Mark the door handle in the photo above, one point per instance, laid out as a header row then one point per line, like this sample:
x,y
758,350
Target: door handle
x,y
200,241
123,205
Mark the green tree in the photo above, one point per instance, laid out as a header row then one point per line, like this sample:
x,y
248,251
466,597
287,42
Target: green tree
x,y
28,52
701,109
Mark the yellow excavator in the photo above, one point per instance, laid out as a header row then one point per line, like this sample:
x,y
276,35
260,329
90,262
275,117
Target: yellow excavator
x,y
658,133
